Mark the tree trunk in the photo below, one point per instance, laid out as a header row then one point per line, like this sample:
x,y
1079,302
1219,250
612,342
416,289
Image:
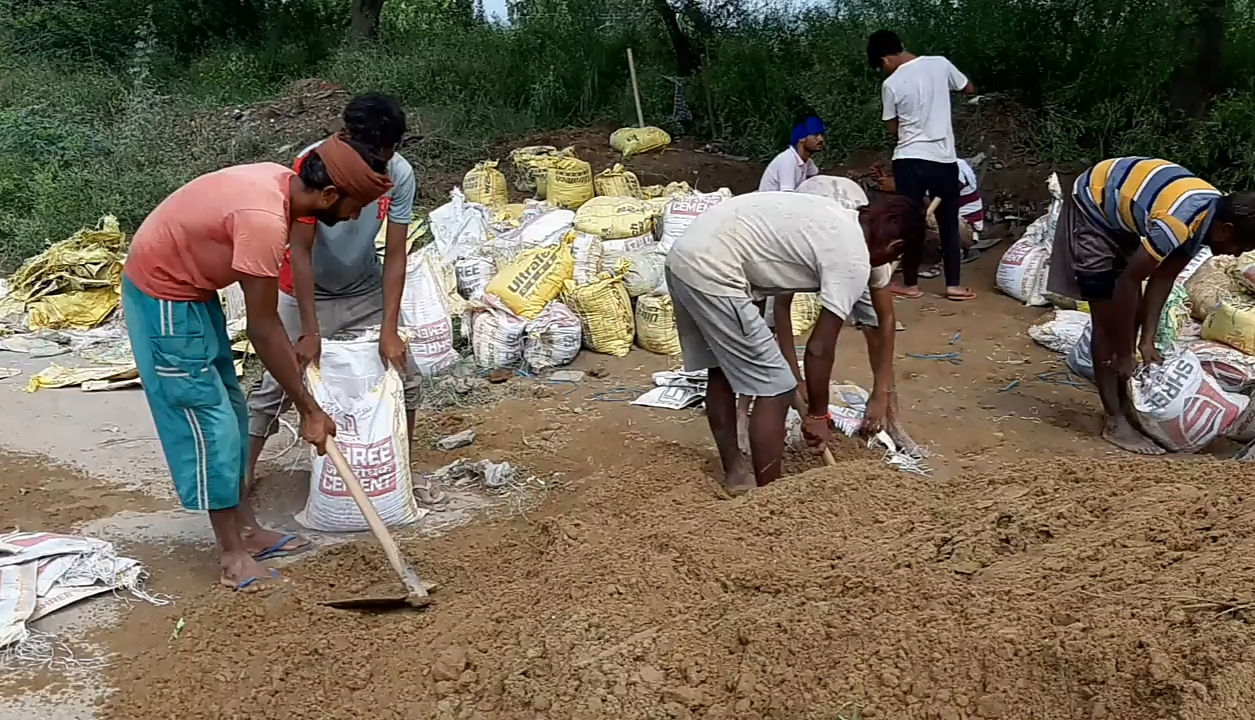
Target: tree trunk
x,y
366,13
1201,77
687,60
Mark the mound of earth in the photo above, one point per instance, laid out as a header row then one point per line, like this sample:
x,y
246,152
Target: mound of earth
x,y
1044,589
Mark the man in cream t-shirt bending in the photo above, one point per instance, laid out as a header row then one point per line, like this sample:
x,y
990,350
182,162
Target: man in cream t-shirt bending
x,y
750,248
873,313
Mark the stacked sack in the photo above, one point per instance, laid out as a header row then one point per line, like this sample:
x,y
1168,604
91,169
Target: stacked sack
x,y
582,265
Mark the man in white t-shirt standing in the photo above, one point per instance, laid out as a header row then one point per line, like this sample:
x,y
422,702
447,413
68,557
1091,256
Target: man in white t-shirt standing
x,y
743,251
916,109
793,166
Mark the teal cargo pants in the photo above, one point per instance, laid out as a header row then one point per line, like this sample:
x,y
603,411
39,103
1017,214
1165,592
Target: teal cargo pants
x,y
183,355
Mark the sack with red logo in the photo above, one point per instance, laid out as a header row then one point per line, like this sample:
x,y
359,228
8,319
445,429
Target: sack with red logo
x,y
1181,407
425,317
682,211
367,402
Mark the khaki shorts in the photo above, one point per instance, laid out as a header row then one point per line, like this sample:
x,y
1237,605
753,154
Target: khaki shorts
x,y
730,334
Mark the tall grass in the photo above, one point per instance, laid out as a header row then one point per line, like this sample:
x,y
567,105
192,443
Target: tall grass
x,y
107,105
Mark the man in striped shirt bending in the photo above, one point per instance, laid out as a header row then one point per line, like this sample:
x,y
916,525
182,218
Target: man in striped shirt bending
x,y
1126,221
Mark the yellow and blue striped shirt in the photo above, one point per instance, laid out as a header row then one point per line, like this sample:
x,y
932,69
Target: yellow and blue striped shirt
x,y
1161,202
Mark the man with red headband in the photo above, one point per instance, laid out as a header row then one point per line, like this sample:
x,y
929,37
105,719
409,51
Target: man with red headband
x,y
225,227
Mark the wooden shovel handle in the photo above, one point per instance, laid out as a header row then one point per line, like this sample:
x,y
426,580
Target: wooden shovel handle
x,y
407,574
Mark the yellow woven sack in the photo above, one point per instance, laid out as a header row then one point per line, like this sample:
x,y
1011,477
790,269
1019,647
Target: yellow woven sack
x,y
616,218
569,183
676,189
655,325
804,312
485,184
605,313
1211,282
523,160
533,278
531,166
1233,323
634,141
617,181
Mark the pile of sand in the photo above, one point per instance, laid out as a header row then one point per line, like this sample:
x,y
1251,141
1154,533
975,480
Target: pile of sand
x,y
1059,589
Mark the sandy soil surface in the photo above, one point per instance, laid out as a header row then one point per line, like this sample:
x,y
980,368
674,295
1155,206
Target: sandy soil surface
x,y
1037,574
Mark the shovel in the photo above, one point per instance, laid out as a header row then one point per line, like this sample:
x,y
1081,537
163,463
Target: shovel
x,y
416,590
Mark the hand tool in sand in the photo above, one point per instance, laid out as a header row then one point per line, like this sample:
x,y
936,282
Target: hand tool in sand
x,y
801,411
416,590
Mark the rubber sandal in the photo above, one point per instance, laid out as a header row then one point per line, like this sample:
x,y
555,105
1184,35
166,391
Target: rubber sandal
x,y
246,583
986,243
929,273
427,493
902,293
277,550
969,255
960,297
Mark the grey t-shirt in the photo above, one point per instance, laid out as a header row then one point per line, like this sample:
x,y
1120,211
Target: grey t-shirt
x,y
771,243
346,262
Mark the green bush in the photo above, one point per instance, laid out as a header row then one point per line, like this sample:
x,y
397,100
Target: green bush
x,y
103,104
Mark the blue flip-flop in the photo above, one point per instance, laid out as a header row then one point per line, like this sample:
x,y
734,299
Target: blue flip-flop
x,y
247,582
277,549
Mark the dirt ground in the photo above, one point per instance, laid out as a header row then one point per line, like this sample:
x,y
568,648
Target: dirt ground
x,y
1036,574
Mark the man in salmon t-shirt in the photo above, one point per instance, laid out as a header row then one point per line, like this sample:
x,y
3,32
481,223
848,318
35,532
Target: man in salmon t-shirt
x,y
228,226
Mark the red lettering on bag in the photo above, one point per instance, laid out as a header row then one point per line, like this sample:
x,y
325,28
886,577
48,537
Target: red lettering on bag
x,y
375,465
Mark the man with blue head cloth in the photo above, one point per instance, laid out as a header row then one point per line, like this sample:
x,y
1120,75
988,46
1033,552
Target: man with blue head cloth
x,y
795,165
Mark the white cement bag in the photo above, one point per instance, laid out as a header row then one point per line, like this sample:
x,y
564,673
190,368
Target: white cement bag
x,y
1023,271
645,273
1060,331
1025,267
613,250
682,211
1243,429
847,406
1182,407
459,225
588,253
1232,368
1080,357
553,338
497,335
546,229
474,271
232,297
845,191
367,402
424,314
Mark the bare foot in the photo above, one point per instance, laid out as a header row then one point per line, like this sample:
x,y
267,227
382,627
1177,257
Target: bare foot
x,y
264,544
1124,436
906,291
241,572
740,480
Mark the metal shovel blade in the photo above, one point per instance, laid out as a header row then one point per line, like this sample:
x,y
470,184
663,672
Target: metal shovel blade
x,y
380,604
385,601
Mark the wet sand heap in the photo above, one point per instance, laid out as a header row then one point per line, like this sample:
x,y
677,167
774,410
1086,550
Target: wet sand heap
x,y
1046,589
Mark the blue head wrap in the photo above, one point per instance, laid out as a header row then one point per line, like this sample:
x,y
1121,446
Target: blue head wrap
x,y
810,126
